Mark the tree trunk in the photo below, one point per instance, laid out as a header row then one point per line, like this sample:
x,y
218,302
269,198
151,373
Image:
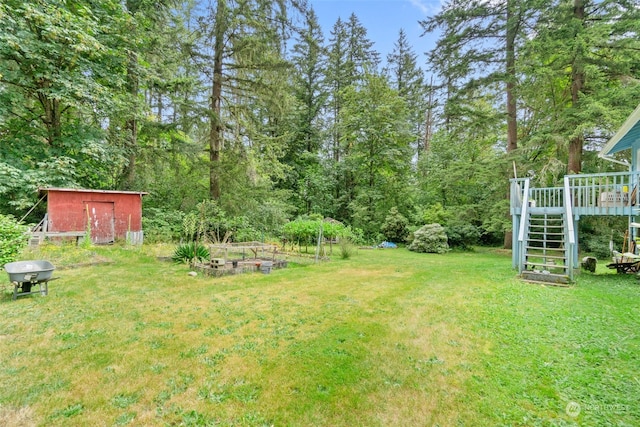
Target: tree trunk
x,y
577,83
512,124
52,114
428,124
215,130
132,86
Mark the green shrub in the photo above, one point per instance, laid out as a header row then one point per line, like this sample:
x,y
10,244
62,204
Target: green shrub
x,y
189,252
430,238
462,236
597,233
162,225
598,245
13,238
435,214
395,227
354,235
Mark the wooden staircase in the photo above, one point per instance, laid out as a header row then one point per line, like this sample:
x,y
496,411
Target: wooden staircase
x,y
545,252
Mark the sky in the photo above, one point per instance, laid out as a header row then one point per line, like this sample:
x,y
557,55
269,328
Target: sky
x,y
383,20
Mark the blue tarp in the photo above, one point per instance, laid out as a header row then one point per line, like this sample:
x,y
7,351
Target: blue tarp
x,y
388,245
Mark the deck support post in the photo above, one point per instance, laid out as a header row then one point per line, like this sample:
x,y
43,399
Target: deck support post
x,y
515,244
576,261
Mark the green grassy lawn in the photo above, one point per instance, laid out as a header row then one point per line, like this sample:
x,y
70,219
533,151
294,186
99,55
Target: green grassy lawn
x,y
388,337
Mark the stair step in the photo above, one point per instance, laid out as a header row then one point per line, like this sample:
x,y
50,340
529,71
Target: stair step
x,y
539,282
545,253
541,251
550,278
546,232
546,265
536,255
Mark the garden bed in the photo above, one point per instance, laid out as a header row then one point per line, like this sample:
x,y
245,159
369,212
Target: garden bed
x,y
240,267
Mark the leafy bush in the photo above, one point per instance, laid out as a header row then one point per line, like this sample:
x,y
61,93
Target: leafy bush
x,y
596,234
354,235
245,232
210,222
162,225
598,245
462,236
435,214
13,238
304,231
301,231
189,252
395,227
430,238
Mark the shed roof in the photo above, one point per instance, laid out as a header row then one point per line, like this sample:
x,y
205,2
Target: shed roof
x,y
627,136
84,190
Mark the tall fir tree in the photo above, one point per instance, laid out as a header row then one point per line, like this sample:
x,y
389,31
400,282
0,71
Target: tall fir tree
x,y
582,75
244,45
302,155
351,57
479,47
407,79
376,128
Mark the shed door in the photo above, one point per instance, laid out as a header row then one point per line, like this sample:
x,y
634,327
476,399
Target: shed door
x,y
102,221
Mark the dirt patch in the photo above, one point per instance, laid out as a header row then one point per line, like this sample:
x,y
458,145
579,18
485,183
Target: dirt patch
x,y
17,417
84,264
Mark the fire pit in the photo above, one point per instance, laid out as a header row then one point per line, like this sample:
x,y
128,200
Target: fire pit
x,y
24,274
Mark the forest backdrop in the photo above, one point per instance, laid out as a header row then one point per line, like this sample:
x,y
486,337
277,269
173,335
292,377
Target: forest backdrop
x,y
245,104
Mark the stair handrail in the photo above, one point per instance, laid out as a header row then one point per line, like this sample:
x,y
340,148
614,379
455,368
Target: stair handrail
x,y
570,251
568,206
524,210
41,226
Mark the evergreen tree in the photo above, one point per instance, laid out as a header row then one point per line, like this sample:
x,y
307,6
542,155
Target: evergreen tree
x,y
408,80
376,137
170,164
302,154
581,75
245,42
337,80
478,47
351,57
143,28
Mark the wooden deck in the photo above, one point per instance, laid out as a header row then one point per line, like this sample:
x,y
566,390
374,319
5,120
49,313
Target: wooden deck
x,y
612,194
607,194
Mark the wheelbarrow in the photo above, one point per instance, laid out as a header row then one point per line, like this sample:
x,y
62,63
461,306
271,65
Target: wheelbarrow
x,y
24,275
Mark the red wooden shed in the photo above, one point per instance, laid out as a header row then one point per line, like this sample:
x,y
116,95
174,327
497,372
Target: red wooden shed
x,y
112,213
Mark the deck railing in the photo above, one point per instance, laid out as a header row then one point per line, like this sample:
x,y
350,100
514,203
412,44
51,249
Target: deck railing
x,y
596,194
